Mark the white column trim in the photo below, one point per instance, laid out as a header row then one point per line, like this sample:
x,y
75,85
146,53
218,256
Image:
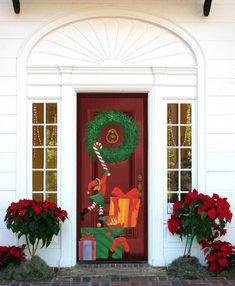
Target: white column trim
x,y
68,172
155,179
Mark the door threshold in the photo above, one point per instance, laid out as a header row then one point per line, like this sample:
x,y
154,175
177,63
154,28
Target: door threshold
x,y
113,262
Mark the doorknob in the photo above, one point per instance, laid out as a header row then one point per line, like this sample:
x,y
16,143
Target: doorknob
x,y
139,188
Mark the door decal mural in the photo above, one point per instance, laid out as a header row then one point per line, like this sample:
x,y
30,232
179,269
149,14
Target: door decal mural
x,y
111,137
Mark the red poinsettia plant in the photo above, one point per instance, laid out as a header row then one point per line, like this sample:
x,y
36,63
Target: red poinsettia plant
x,y
11,254
36,221
220,255
199,216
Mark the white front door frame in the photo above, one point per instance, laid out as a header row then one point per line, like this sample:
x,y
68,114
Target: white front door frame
x,y
69,95
111,81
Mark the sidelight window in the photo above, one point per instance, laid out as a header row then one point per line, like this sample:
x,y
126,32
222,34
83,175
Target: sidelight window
x,y
44,151
179,151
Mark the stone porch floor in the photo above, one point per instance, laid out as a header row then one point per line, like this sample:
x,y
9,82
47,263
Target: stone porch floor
x,y
120,275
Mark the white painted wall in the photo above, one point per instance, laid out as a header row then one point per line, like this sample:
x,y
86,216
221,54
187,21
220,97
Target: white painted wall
x,y
214,34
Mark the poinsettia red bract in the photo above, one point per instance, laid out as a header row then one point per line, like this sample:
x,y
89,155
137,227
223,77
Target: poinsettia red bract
x,y
37,221
11,254
202,217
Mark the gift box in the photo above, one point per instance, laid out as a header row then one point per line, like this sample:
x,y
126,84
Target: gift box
x,y
87,247
125,207
103,242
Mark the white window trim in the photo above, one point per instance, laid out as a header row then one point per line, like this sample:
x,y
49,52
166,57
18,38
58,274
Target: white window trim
x,y
30,140
194,145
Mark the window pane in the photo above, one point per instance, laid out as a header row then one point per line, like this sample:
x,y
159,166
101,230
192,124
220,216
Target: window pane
x,y
186,135
51,198
51,134
179,151
172,158
44,135
37,181
186,158
172,197
172,181
51,113
38,197
183,195
37,135
51,181
172,113
185,114
37,158
51,158
38,113
172,136
186,181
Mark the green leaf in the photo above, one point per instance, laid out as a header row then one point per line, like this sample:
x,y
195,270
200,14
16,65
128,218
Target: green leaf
x,y
19,235
222,224
24,228
186,223
32,239
203,215
32,226
43,242
48,241
55,229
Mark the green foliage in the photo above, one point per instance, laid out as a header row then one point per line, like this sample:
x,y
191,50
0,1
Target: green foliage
x,y
187,267
131,132
34,269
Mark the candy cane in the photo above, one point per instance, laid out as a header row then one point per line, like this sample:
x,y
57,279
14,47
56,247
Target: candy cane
x,y
102,162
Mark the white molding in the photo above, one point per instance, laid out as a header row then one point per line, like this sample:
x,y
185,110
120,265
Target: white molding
x,y
68,194
68,109
156,183
114,70
112,41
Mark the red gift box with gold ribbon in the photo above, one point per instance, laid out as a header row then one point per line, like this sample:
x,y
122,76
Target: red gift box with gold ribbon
x,y
87,247
125,207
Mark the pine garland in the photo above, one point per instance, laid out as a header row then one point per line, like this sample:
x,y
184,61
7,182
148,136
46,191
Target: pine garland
x,y
131,132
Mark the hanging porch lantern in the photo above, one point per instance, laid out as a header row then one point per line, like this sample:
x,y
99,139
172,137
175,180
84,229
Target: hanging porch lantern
x,y
16,6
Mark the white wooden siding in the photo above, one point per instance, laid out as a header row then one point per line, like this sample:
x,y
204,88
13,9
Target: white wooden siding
x,y
7,181
221,105
9,48
7,143
8,86
9,164
17,30
7,124
215,34
221,181
221,161
221,68
8,67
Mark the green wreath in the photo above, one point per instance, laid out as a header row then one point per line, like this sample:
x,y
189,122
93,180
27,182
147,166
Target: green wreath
x,y
131,132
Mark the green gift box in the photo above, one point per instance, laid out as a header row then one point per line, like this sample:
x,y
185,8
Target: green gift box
x,y
103,242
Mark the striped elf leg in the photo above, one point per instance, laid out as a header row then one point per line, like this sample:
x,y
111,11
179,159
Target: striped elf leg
x,y
101,211
91,207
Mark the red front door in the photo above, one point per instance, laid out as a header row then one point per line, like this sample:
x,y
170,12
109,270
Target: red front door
x,y
125,174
